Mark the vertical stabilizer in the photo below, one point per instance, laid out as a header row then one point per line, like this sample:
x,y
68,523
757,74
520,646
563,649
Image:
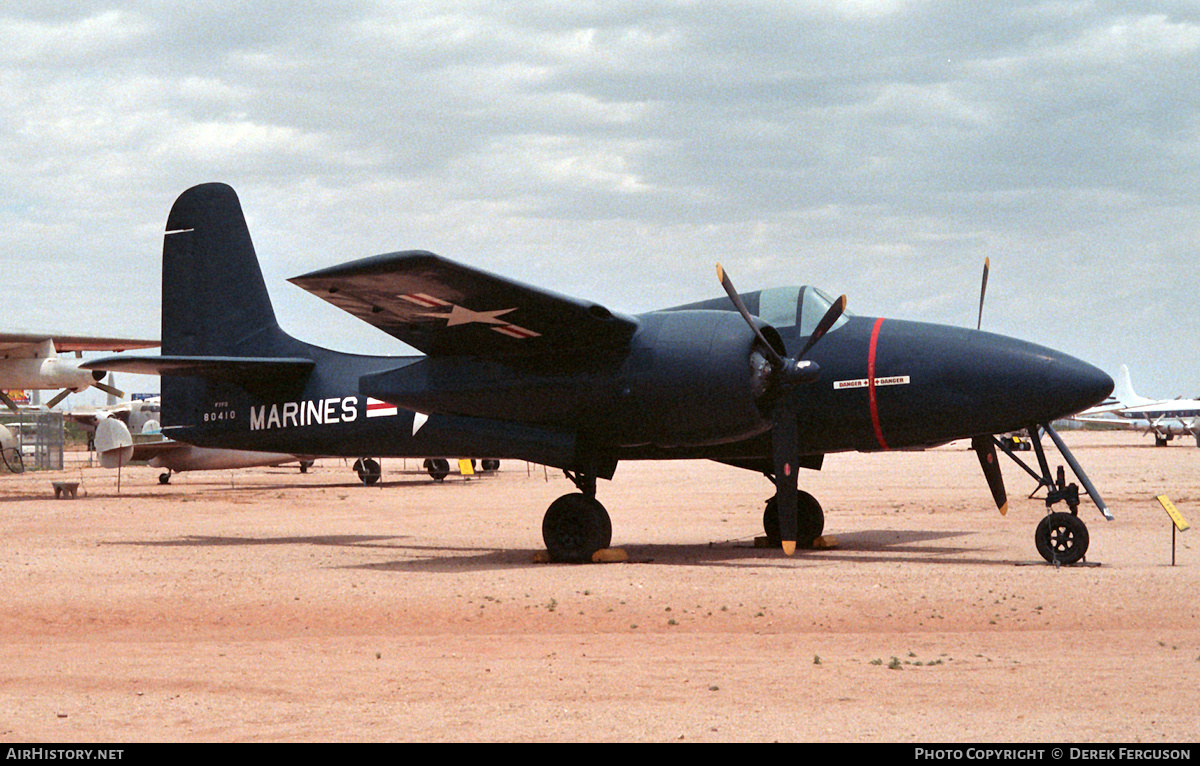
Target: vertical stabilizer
x,y
1123,392
214,299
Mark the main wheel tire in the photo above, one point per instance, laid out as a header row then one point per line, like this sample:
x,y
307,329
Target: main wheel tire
x,y
575,527
368,471
489,464
810,521
438,468
1061,538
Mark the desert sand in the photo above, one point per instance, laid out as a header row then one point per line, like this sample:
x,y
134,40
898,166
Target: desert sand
x,y
267,605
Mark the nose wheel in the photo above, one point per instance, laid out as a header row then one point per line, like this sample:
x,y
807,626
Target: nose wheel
x,y
438,468
368,470
1061,538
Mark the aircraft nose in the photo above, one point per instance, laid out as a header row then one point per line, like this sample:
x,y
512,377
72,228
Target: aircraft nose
x,y
1072,385
1034,384
967,382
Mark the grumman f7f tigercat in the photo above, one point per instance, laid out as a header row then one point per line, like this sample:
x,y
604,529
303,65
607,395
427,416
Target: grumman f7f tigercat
x,y
769,381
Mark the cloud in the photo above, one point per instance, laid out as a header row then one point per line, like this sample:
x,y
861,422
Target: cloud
x,y
616,150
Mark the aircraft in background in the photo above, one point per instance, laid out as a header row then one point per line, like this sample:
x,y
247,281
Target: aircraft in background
x,y
1165,418
138,427
769,381
116,447
31,361
129,432
10,451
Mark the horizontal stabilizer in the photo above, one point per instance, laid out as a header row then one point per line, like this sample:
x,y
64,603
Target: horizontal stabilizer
x,y
232,369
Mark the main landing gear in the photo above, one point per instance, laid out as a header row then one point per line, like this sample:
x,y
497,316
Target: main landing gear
x,y
576,525
810,521
438,468
368,470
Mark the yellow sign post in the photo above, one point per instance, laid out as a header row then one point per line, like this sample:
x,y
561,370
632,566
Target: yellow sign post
x,y
1179,523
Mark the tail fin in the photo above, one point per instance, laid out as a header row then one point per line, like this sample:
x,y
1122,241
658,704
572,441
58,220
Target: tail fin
x,y
218,326
214,299
219,334
1123,392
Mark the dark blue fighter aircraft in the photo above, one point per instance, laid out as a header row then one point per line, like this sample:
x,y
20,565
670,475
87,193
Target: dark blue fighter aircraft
x,y
768,381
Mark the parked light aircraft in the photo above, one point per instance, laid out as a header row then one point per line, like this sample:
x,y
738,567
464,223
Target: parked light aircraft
x,y
30,360
768,381
1165,418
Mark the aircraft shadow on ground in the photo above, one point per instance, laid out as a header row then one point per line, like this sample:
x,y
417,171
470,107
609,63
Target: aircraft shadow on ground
x,y
863,546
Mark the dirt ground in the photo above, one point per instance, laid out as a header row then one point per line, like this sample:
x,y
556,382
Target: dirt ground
x,y
266,605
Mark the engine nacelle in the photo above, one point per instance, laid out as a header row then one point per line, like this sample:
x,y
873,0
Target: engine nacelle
x,y
44,374
691,378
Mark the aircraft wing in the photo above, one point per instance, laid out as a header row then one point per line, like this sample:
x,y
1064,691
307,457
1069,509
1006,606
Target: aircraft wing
x,y
445,308
65,343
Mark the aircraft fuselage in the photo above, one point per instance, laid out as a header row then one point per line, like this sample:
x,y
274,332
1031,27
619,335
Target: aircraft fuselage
x,y
673,393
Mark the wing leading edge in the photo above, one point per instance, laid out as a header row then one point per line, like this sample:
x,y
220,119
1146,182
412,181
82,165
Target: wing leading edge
x,y
15,341
444,308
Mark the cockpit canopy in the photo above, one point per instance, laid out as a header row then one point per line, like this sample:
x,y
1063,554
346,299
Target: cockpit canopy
x,y
800,306
781,307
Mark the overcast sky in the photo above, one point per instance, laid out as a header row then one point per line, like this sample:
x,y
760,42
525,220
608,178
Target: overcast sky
x,y
616,150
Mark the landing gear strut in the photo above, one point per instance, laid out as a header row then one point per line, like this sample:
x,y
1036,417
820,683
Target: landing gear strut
x,y
576,525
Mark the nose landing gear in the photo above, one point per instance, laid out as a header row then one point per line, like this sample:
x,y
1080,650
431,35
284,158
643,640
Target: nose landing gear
x,y
1060,537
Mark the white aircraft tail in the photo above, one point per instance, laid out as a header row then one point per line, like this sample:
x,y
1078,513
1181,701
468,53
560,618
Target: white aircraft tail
x,y
1123,391
114,443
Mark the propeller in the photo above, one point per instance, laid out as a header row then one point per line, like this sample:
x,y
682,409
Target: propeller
x,y
97,374
984,445
59,397
982,292
110,390
783,375
985,448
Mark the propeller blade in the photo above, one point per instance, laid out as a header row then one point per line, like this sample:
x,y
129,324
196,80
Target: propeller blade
x,y
786,373
985,448
785,444
832,315
983,291
8,402
727,283
110,390
58,398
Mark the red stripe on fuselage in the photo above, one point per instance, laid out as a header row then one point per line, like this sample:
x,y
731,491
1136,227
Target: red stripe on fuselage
x,y
871,385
